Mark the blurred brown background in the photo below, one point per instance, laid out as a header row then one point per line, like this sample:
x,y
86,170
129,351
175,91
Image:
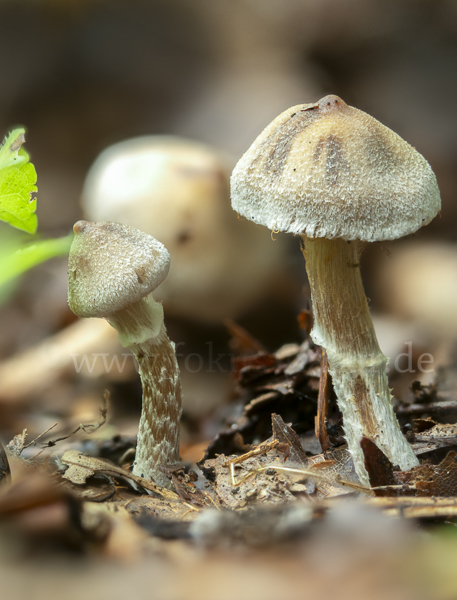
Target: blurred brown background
x,y
82,74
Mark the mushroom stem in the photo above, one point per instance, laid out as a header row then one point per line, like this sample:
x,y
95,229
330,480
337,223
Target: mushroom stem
x,y
343,326
141,328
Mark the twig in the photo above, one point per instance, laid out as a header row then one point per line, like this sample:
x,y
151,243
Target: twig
x,y
260,449
432,407
322,405
33,442
87,428
307,472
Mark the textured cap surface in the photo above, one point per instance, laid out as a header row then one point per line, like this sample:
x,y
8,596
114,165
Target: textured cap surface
x,y
330,170
112,265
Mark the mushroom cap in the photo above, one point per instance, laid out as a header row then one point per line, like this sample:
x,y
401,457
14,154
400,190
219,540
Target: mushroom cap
x,y
330,170
111,266
178,191
133,180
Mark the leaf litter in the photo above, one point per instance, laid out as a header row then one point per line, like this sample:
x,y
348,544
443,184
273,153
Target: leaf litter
x,y
259,485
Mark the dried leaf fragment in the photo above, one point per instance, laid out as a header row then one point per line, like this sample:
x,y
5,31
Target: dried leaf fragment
x,y
81,467
378,466
284,434
434,480
16,446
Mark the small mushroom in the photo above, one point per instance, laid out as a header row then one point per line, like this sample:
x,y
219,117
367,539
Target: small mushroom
x,y
339,178
178,191
113,269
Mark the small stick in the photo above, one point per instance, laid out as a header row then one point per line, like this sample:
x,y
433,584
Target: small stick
x,y
33,442
306,472
429,408
322,405
262,448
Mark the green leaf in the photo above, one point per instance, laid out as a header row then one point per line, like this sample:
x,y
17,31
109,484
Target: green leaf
x,y
15,261
17,183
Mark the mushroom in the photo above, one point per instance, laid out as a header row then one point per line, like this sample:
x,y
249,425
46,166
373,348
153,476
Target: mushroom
x,y
178,191
111,271
339,178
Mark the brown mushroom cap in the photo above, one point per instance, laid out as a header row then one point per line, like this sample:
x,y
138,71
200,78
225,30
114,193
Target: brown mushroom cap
x,y
330,170
112,265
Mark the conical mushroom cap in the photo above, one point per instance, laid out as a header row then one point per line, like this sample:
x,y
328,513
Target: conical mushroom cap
x,y
111,266
330,170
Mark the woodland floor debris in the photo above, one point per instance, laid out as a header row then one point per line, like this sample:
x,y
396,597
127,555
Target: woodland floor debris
x,y
258,490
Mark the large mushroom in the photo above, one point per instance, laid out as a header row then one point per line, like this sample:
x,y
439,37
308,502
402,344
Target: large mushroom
x,y
112,270
339,178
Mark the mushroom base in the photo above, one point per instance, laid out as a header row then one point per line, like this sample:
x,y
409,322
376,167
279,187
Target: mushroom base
x,y
343,327
158,433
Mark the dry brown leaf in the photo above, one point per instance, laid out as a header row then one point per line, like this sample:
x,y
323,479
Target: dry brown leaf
x,y
278,468
81,467
439,431
433,480
379,468
251,485
441,435
184,484
284,434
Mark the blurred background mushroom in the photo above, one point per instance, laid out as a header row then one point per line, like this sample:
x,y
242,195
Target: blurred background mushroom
x,y
421,286
86,74
177,191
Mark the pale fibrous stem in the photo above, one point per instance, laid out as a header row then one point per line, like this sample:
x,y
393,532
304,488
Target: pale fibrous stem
x,y
344,328
141,328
